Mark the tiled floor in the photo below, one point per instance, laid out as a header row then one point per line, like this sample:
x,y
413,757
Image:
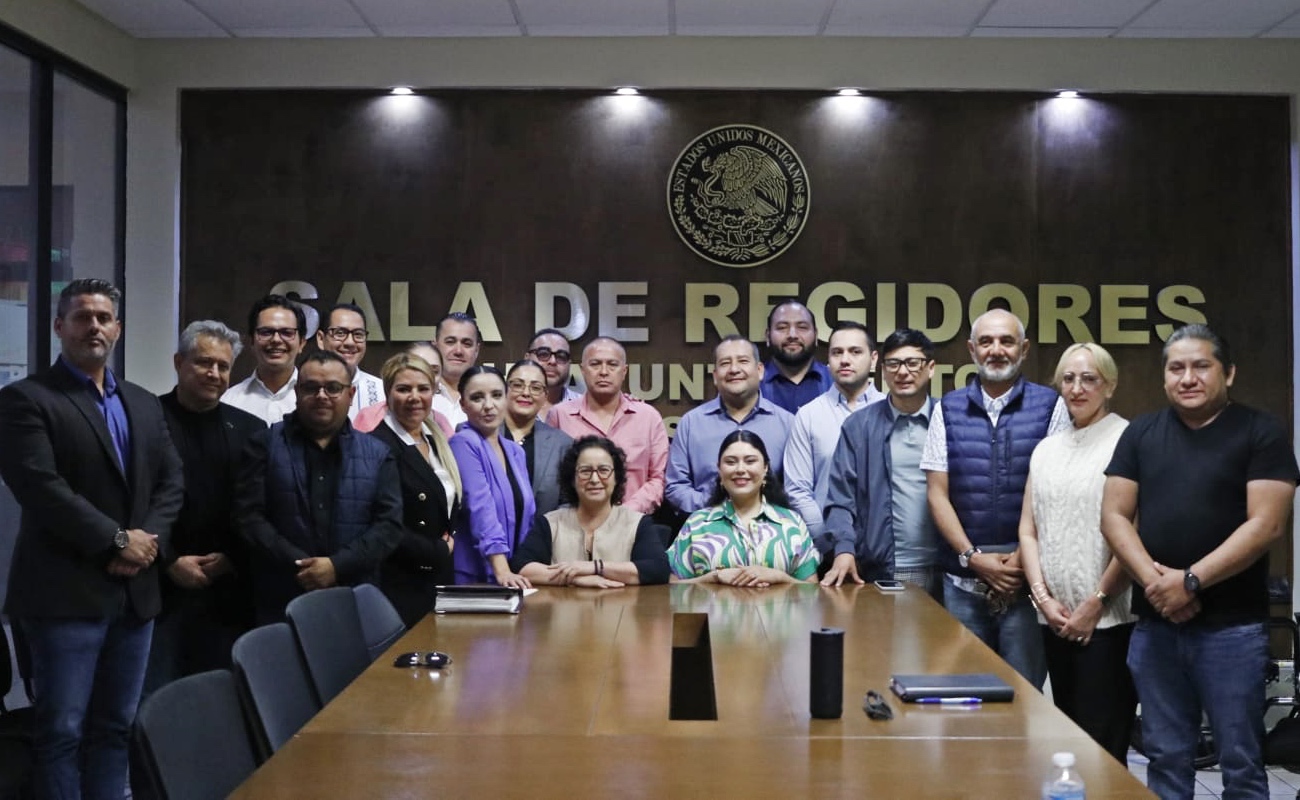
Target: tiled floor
x,y
1282,785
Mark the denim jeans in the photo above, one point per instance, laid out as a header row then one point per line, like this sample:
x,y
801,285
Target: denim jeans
x,y
1181,669
1014,635
86,678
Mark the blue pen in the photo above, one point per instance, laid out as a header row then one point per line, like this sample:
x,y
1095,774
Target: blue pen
x,y
950,701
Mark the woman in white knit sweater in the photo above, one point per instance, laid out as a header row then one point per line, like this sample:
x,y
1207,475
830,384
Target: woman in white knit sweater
x,y
1081,592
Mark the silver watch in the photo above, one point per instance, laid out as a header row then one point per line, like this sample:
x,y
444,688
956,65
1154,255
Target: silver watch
x,y
964,558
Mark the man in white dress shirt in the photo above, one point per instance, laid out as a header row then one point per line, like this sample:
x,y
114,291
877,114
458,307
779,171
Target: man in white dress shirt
x,y
459,343
277,328
343,333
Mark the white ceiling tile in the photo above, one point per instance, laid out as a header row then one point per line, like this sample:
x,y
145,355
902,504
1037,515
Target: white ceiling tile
x,y
905,17
390,16
1062,13
150,17
1046,33
759,14
303,33
443,31
1187,33
296,15
1229,17
598,30
747,30
594,14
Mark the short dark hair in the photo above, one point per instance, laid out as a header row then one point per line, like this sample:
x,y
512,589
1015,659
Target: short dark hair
x,y
850,325
277,301
476,370
523,362
569,469
327,357
460,316
84,286
546,332
773,490
908,337
328,319
736,337
1198,330
789,301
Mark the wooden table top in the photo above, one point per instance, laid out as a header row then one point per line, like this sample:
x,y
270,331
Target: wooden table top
x,y
571,697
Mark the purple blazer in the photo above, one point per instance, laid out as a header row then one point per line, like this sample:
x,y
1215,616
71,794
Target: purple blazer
x,y
488,525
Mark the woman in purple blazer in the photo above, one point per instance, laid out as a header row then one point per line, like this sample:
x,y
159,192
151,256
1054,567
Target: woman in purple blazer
x,y
498,506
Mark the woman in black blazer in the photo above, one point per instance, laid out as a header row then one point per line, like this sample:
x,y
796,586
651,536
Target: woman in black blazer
x,y
431,489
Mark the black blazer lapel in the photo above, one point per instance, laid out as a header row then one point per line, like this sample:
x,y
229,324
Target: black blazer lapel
x,y
76,393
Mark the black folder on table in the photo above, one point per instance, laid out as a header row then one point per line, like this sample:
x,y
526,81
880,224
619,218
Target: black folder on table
x,y
983,685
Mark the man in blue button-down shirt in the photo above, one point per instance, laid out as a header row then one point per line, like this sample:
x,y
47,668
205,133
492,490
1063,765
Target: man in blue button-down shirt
x,y
693,456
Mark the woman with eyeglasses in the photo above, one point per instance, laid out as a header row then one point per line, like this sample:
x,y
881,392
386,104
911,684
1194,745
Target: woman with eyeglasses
x,y
593,540
543,445
431,490
1079,588
498,503
747,535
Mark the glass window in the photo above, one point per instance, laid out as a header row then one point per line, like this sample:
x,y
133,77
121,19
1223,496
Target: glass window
x,y
17,213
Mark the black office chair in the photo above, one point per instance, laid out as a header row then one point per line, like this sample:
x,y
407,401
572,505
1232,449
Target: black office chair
x,y
381,625
192,739
328,627
275,685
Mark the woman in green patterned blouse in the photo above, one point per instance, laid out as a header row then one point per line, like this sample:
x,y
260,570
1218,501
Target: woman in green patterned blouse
x,y
746,536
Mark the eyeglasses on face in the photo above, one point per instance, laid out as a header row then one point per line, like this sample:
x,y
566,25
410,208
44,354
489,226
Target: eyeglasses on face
x,y
522,387
1086,379
332,390
342,334
546,354
912,364
266,334
604,471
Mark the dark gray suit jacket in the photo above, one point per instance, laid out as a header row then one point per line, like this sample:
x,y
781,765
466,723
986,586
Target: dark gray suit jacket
x,y
57,457
549,446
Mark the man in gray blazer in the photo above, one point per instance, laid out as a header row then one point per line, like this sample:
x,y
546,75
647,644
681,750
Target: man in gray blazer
x,y
90,461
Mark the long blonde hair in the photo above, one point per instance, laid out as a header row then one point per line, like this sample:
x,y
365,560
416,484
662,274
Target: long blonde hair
x,y
405,361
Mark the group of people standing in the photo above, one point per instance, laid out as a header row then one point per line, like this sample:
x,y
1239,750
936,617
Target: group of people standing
x,y
1125,560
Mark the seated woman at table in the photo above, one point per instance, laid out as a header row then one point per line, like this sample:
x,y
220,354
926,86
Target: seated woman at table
x,y
430,488
498,505
543,445
746,536
593,540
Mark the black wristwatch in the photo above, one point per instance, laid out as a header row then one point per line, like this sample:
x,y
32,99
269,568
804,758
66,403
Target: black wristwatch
x,y
121,539
1190,582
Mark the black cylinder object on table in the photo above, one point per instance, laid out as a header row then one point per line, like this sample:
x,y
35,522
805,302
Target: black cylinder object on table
x,y
826,674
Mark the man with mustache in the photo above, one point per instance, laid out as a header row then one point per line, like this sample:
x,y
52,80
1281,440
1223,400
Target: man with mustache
x,y
277,328
792,377
976,461
343,332
89,459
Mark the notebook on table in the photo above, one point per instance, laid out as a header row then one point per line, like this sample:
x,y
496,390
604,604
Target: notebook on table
x,y
983,685
477,600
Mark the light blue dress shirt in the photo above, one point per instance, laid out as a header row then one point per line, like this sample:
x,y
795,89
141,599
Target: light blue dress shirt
x,y
808,451
693,456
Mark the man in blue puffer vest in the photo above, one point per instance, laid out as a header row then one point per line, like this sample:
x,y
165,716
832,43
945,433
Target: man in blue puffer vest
x,y
977,461
319,504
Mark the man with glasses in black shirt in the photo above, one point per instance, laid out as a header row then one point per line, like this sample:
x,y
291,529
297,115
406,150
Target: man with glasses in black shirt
x,y
277,328
319,504
344,334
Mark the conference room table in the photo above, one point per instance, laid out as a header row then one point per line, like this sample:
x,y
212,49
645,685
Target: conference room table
x,y
571,698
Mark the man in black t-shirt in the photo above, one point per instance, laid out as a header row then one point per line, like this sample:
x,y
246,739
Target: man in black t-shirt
x,y
1211,483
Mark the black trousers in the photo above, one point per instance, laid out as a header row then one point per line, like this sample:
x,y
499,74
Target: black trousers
x,y
1092,685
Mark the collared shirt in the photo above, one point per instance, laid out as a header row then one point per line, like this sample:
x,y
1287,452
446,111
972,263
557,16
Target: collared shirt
x,y
251,395
916,539
788,395
935,456
443,404
639,430
369,390
693,456
110,405
808,451
714,538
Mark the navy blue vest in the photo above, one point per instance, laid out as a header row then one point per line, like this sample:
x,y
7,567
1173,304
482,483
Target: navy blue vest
x,y
987,466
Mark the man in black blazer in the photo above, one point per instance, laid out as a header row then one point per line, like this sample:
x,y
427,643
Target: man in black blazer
x,y
89,459
207,595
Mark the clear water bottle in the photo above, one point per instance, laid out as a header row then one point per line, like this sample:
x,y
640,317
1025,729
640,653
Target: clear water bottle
x,y
1063,782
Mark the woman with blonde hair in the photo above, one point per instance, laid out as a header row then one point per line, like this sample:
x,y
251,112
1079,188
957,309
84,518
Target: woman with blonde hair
x,y
1079,588
431,488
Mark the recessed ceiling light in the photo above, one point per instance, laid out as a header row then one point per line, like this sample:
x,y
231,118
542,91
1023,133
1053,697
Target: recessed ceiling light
x,y
849,92
626,90
1068,94
402,90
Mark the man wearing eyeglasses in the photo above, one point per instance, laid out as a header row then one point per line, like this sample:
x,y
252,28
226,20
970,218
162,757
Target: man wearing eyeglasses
x,y
344,334
878,523
816,428
319,504
634,425
277,328
549,348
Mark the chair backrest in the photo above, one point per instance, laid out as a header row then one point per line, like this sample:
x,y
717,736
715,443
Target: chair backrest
x,y
192,737
381,625
328,627
275,683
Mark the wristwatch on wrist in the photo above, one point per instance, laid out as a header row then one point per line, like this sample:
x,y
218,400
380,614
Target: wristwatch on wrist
x,y
1190,582
964,558
121,539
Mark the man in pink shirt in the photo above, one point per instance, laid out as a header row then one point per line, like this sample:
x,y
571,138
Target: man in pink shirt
x,y
633,425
